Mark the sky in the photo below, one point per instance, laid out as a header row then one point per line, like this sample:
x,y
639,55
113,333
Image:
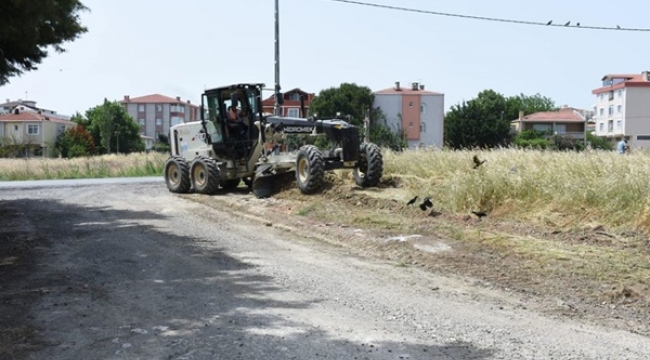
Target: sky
x,y
180,48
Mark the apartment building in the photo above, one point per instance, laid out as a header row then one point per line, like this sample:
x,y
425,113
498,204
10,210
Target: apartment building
x,y
420,113
622,108
157,113
291,103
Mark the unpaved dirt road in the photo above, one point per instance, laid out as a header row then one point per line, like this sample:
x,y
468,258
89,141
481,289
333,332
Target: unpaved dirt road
x,y
133,272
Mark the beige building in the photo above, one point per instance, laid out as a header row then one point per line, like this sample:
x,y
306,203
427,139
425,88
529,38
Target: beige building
x,y
27,133
565,121
623,109
157,113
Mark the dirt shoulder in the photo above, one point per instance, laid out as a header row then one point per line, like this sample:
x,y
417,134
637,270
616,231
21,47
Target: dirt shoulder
x,y
580,271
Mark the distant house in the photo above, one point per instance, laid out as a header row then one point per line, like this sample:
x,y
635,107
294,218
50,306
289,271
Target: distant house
x,y
291,104
565,121
157,113
9,105
31,133
420,113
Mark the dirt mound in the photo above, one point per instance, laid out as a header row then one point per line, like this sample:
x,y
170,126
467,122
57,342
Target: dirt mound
x,y
623,295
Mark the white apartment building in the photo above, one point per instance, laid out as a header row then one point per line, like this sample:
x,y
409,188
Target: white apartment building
x,y
622,108
420,113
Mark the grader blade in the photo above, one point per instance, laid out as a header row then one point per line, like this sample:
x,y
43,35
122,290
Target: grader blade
x,y
265,184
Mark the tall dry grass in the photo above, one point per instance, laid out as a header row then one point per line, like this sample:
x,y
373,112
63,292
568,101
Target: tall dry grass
x,y
561,188
114,165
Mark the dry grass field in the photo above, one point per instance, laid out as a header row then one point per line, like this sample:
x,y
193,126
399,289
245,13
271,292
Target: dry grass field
x,y
114,165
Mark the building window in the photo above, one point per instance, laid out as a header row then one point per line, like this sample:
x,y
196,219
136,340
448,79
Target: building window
x,y
177,108
601,112
423,127
141,108
619,109
423,108
32,129
560,128
159,108
141,122
175,120
293,112
15,127
158,122
619,93
601,127
294,97
611,110
610,125
542,127
643,137
611,95
619,124
410,103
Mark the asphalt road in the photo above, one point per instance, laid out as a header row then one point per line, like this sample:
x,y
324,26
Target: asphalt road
x,y
130,271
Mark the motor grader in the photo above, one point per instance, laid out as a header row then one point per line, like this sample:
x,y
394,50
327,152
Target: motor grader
x,y
216,153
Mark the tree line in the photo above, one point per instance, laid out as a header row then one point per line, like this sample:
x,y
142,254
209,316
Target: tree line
x,y
103,129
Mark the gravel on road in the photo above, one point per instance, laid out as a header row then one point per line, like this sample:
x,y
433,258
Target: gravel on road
x,y
131,271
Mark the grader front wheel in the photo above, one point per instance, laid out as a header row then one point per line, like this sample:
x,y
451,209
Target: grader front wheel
x,y
371,166
310,169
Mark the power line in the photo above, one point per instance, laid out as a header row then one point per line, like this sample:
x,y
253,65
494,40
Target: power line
x,y
568,24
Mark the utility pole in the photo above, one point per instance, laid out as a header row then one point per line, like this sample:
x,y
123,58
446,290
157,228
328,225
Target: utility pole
x,y
277,109
366,123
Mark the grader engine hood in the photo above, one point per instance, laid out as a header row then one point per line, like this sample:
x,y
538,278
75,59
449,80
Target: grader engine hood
x,y
290,125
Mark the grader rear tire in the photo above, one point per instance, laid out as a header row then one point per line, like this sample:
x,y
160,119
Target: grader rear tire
x,y
310,169
371,166
177,175
205,175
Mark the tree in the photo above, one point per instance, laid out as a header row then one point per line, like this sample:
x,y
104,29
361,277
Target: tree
x,y
598,142
27,28
528,104
532,139
75,142
382,135
110,124
354,102
348,99
162,145
479,122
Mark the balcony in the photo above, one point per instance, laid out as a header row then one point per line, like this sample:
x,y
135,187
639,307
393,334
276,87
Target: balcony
x,y
574,134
